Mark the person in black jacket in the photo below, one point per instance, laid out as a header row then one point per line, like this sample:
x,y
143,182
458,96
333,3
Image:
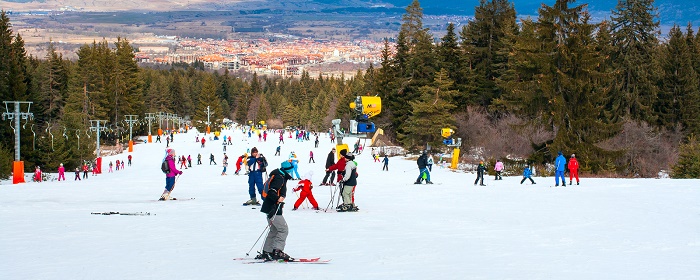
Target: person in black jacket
x,y
272,206
329,162
423,167
480,173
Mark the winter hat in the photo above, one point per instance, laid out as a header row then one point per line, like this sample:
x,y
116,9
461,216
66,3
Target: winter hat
x,y
170,152
254,150
350,157
343,152
573,155
560,153
61,164
308,175
481,162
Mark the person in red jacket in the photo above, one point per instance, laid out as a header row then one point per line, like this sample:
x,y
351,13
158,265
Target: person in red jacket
x,y
239,162
305,187
61,172
37,174
339,165
573,169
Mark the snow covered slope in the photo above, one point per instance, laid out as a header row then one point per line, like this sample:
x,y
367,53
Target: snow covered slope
x,y
602,229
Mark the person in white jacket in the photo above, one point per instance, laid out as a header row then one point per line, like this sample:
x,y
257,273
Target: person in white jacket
x,y
430,162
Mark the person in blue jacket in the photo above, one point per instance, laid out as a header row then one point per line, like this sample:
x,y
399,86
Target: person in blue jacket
x,y
527,174
560,165
256,167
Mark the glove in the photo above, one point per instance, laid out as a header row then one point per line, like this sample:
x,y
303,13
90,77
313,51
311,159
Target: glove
x,y
180,173
296,189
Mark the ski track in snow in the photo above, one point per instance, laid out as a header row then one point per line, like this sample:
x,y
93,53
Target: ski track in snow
x,y
602,229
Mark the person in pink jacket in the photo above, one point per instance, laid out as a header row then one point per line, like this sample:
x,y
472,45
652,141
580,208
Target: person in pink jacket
x,y
61,172
170,176
498,168
37,174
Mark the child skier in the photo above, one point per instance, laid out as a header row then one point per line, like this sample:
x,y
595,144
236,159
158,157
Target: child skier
x,y
573,169
170,176
527,174
305,187
498,168
480,173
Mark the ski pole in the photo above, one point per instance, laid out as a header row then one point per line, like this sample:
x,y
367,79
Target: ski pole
x,y
332,198
341,187
411,169
264,230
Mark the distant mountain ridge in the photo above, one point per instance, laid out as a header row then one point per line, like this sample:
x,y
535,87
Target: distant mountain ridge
x,y
670,11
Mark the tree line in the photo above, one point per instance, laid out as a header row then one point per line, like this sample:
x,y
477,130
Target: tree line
x,y
616,93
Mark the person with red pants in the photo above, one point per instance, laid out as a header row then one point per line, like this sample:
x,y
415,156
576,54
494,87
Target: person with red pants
x,y
573,169
239,162
61,173
37,174
305,186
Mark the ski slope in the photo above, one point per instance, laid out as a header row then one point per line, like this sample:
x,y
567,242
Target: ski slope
x,y
602,229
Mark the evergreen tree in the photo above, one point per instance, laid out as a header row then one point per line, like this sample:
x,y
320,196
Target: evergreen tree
x,y
208,98
688,165
430,113
635,32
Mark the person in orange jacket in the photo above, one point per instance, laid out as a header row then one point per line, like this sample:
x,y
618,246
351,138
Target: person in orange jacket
x,y
573,169
305,187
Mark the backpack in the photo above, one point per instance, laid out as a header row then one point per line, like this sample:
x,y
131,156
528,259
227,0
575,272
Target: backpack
x,y
165,167
266,186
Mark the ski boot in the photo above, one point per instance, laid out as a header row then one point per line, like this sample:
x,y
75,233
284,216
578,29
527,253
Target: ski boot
x,y
279,255
251,201
429,182
267,256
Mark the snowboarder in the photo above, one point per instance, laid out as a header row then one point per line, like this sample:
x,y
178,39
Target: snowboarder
x,y
480,174
330,160
273,248
61,172
560,165
170,176
527,174
573,169
305,187
498,168
349,184
256,165
423,168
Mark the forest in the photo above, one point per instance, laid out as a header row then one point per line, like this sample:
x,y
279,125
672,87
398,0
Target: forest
x,y
621,96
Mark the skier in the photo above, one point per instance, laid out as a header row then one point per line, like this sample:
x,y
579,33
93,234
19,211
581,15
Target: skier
x,y
225,164
349,184
265,136
295,162
340,167
560,165
158,139
211,159
430,162
423,168
527,174
167,141
480,173
229,140
170,176
277,152
183,162
110,167
224,144
386,163
117,165
498,168
122,166
272,206
573,169
129,157
189,160
203,140
281,138
37,174
61,172
199,159
311,157
256,164
77,174
238,164
85,170
329,162
305,187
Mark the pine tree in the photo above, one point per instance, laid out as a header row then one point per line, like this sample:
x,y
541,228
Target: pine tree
x,y
688,165
431,113
208,98
635,32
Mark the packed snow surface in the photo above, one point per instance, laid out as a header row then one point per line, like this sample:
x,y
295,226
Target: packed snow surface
x,y
601,229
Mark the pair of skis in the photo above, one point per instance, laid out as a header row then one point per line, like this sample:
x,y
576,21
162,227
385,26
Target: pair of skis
x,y
300,260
